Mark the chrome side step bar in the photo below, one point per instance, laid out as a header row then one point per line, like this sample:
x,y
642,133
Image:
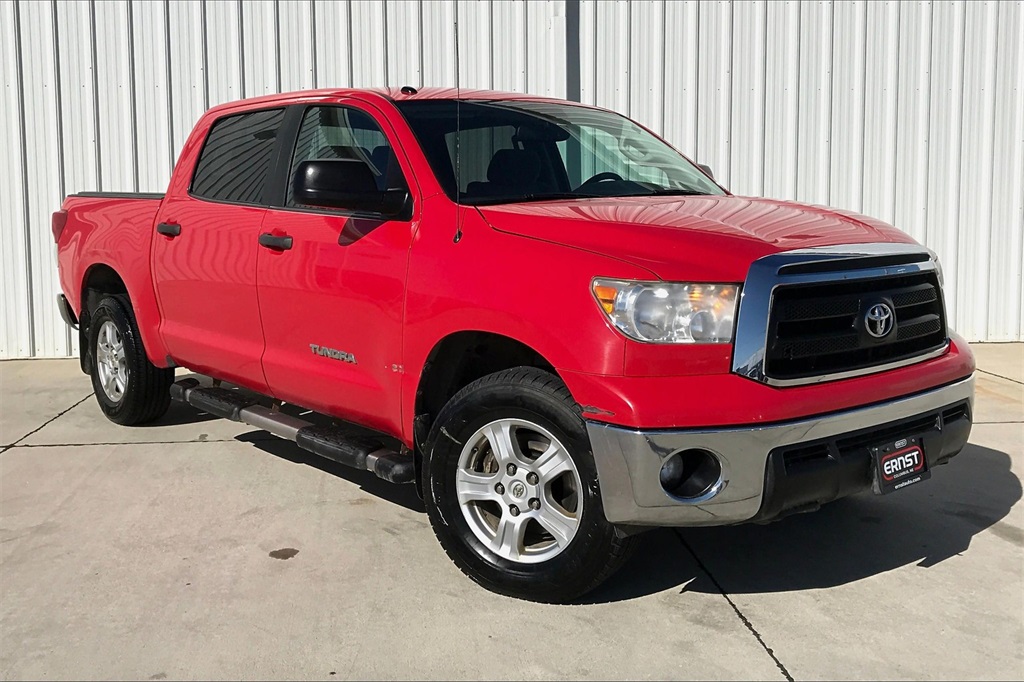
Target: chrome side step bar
x,y
343,445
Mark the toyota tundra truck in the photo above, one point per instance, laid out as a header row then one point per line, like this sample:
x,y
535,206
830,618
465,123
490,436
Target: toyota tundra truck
x,y
555,325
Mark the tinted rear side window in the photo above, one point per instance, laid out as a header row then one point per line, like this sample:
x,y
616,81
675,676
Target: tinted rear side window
x,y
236,158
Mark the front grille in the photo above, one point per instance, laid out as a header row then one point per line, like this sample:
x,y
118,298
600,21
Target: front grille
x,y
817,329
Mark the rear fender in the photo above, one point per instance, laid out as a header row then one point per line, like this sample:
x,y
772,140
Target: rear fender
x,y
116,234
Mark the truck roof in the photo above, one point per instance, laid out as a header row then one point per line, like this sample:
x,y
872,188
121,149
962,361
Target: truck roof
x,y
393,93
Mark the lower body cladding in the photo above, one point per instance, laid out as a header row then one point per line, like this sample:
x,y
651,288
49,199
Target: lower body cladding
x,y
759,473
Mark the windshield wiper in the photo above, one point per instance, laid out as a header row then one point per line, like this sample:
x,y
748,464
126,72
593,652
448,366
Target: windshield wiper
x,y
669,192
524,198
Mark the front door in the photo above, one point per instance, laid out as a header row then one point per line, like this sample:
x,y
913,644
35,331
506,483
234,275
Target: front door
x,y
205,249
332,298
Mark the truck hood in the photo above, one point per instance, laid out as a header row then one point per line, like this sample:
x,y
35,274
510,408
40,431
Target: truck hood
x,y
702,238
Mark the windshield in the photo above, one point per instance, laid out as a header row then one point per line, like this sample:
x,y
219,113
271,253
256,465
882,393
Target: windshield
x,y
515,151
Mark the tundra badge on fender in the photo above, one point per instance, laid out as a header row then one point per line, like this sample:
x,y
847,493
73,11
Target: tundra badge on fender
x,y
332,353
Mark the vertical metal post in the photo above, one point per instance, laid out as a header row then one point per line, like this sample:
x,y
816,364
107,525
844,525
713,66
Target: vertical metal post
x,y
572,50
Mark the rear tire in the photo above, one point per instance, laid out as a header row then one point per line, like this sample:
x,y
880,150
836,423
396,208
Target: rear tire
x,y
129,388
538,533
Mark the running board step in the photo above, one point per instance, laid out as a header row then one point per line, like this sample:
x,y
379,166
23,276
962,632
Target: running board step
x,y
343,445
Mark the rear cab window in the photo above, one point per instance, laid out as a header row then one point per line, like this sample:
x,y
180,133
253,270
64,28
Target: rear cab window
x,y
237,158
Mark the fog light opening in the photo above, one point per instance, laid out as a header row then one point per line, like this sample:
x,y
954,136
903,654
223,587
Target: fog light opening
x,y
690,474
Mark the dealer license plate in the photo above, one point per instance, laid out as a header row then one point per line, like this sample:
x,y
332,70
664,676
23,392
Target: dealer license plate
x,y
899,464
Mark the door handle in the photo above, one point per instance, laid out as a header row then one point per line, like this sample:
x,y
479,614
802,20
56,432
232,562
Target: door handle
x,y
171,230
273,241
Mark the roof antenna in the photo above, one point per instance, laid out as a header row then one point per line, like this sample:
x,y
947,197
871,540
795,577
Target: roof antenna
x,y
458,135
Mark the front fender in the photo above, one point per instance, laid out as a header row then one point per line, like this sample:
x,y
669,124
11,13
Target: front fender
x,y
535,292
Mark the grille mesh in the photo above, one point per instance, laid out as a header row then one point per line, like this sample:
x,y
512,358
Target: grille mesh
x,y
817,329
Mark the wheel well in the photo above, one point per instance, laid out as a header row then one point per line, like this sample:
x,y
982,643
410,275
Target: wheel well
x,y
459,359
99,281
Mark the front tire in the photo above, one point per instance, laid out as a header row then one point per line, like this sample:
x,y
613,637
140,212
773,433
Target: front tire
x,y
512,493
129,388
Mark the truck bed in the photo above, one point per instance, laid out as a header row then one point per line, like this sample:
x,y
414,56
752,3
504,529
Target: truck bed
x,y
110,231
155,196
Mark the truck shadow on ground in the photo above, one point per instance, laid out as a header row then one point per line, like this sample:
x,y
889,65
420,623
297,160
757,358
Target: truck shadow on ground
x,y
178,414
402,495
845,541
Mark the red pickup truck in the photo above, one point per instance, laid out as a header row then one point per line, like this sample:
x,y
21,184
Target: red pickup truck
x,y
553,323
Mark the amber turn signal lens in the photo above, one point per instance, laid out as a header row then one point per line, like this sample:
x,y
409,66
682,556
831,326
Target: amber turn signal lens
x,y
606,297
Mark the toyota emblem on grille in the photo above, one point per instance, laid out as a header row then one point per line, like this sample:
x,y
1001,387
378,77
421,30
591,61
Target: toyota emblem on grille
x,y
879,320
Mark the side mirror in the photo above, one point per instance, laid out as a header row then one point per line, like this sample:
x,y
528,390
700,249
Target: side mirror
x,y
346,184
707,169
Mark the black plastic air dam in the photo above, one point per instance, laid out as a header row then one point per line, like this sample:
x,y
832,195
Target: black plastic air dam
x,y
803,477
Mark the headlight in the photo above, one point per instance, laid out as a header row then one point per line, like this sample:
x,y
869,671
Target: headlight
x,y
669,312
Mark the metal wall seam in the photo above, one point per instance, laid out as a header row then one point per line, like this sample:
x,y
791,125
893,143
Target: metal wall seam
x,y
81,145
1005,283
611,57
880,109
912,131
714,83
153,96
332,44
295,40
976,142
748,97
187,69
782,100
849,65
438,44
682,52
814,109
222,41
475,44
647,63
369,63
259,40
545,48
42,182
403,29
588,52
507,29
944,126
114,94
15,302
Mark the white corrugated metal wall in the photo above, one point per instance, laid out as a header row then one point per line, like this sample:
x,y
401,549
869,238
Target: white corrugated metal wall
x,y
912,112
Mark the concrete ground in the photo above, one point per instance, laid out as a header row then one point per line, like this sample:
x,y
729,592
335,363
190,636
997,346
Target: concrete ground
x,y
155,552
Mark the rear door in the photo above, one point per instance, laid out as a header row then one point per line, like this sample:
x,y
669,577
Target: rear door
x,y
204,253
332,303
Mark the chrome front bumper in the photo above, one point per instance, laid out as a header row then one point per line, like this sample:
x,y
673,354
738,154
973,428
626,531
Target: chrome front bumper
x,y
629,461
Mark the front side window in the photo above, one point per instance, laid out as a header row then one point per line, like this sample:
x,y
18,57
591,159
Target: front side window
x,y
494,152
345,133
235,161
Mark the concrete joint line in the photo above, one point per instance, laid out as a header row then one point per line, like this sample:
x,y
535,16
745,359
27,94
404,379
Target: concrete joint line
x,y
743,619
268,438
993,374
44,424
